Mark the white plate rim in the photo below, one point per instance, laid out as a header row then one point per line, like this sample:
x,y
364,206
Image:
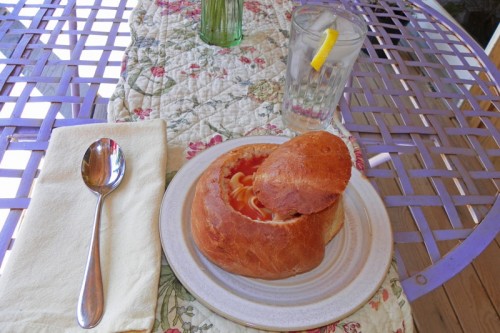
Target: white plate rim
x,y
236,308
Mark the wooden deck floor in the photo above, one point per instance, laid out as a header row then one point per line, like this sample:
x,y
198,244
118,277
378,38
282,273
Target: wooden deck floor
x,y
468,303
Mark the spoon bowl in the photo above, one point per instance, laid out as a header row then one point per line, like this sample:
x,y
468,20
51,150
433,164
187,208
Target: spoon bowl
x,y
103,167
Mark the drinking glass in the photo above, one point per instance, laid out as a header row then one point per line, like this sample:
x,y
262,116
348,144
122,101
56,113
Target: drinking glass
x,y
311,96
221,22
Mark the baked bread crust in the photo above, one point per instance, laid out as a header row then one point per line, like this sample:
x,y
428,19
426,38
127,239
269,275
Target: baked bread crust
x,y
261,249
305,175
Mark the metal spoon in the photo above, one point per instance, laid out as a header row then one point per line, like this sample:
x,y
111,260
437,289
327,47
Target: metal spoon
x,y
103,167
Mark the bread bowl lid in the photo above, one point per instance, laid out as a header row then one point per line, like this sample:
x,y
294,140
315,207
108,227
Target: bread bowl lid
x,y
304,175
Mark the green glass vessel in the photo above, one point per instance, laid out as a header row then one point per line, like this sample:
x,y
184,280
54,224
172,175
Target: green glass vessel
x,y
221,22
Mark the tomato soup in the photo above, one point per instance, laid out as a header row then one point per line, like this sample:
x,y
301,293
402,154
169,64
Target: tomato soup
x,y
241,196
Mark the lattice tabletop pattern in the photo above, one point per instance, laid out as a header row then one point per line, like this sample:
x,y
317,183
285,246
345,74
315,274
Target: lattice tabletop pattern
x,y
424,106
59,63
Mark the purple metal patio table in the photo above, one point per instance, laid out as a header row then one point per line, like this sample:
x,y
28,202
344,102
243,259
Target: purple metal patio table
x,y
423,105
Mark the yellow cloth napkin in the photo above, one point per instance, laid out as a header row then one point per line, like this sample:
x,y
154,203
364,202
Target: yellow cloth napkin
x,y
40,286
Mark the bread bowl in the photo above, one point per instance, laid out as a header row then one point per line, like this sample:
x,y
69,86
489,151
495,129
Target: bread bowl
x,y
232,227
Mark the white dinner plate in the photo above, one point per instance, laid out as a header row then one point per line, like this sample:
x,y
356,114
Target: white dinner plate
x,y
355,263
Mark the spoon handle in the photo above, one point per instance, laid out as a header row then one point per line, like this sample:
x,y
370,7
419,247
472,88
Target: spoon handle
x,y
91,299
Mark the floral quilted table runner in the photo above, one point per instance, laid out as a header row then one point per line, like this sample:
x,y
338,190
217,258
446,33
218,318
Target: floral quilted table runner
x,y
208,95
